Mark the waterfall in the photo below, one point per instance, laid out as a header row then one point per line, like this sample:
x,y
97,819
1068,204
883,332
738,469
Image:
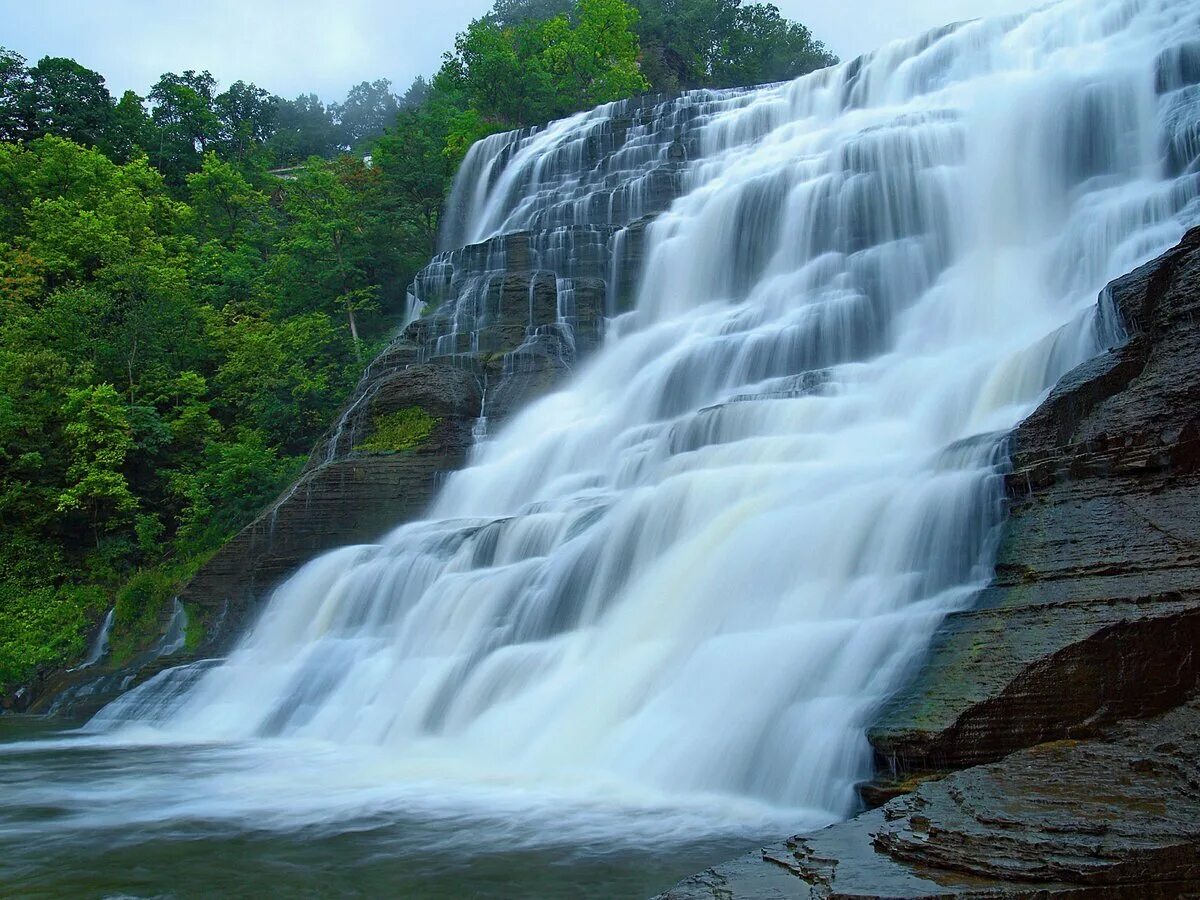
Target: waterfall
x,y
99,648
695,572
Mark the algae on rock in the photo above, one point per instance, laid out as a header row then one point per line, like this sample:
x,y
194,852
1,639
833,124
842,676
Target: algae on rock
x,y
395,432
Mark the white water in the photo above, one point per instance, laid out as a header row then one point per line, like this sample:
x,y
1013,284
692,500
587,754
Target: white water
x,y
688,580
99,648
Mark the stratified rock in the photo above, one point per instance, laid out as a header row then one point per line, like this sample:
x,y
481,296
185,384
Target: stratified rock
x,y
347,494
1095,610
1117,817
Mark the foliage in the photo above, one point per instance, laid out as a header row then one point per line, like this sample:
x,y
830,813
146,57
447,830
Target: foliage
x,y
398,431
534,70
167,357
43,626
700,43
140,607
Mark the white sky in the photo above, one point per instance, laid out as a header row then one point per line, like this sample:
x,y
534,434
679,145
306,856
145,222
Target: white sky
x,y
321,46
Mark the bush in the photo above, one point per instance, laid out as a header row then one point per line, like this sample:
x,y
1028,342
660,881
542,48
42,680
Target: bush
x,y
43,627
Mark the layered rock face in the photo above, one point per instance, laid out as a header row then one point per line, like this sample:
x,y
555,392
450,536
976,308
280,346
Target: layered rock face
x,y
1095,610
1115,817
1039,694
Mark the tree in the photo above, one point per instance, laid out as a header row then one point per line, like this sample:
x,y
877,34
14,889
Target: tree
x,y
98,435
304,127
512,13
225,204
594,60
368,109
533,71
418,158
332,232
70,101
246,116
15,118
185,120
130,129
418,94
722,43
762,46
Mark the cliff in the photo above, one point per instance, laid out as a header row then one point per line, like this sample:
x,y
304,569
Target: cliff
x,y
1048,745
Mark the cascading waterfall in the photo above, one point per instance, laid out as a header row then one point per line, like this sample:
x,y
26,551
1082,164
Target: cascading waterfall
x,y
690,577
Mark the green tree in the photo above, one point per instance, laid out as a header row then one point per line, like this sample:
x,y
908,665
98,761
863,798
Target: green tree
x,y
304,127
225,204
532,71
130,130
99,438
15,114
246,116
70,101
595,59
368,109
332,231
417,159
185,121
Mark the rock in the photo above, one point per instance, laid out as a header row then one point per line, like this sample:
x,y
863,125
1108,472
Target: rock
x,y
1116,817
345,495
1095,610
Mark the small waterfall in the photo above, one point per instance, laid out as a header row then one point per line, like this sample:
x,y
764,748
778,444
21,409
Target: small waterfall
x,y
696,571
99,647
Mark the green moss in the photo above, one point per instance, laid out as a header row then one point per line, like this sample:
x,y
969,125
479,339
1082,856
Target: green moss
x,y
195,627
141,606
396,432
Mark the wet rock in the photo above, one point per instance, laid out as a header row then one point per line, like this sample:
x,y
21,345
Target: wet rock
x,y
1113,817
1095,610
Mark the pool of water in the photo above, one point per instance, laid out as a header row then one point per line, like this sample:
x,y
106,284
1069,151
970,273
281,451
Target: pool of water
x,y
88,816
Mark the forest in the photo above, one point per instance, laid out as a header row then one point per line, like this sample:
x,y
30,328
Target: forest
x,y
191,281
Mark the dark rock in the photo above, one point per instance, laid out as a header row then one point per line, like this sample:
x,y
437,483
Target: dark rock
x,y
1116,817
346,495
1095,610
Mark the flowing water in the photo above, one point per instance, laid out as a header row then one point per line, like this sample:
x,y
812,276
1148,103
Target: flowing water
x,y
649,624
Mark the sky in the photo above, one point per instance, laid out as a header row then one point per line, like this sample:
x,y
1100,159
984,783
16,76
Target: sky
x,y
291,47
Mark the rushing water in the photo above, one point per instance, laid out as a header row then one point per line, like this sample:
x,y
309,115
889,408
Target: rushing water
x,y
653,618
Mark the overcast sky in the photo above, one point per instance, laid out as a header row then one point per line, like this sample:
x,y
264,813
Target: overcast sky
x,y
322,46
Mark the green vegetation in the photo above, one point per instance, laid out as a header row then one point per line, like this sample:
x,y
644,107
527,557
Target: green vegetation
x,y
195,630
685,44
178,323
398,431
168,356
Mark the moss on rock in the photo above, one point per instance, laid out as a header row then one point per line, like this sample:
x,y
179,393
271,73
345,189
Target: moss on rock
x,y
399,431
